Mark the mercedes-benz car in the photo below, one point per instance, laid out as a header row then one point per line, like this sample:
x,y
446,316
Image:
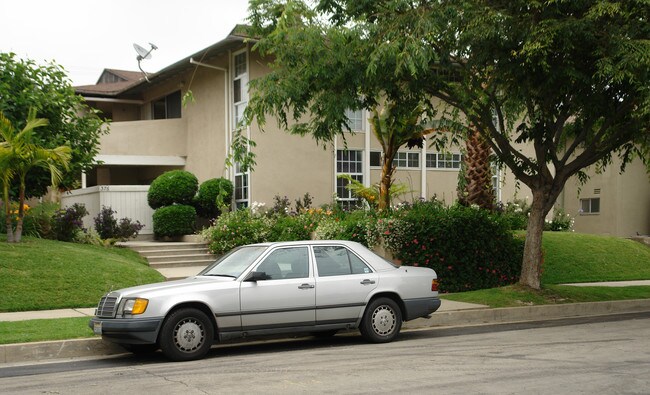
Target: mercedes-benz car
x,y
312,287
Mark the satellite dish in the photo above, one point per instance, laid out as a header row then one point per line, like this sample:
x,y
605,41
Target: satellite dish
x,y
143,54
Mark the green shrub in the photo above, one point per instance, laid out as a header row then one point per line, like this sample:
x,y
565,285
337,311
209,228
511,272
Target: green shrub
x,y
213,194
172,187
107,226
237,228
293,227
37,221
176,220
467,247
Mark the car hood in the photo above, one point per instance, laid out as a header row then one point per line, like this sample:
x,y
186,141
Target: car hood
x,y
172,286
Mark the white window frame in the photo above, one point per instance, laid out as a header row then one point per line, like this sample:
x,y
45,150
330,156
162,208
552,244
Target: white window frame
x,y
404,158
347,200
589,201
241,180
441,159
356,120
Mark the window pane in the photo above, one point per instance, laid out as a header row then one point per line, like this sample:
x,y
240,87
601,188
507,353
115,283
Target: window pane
x,y
174,105
595,205
432,160
286,263
357,265
236,87
240,64
332,261
375,158
584,205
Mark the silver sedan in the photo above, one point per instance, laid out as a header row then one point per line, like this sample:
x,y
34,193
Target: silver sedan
x,y
317,287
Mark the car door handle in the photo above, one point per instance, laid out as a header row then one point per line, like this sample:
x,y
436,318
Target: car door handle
x,y
306,286
367,282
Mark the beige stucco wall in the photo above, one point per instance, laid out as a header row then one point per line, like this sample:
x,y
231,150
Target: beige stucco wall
x,y
206,123
160,137
624,201
288,165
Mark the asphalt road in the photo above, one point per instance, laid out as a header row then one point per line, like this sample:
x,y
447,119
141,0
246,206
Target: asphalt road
x,y
606,355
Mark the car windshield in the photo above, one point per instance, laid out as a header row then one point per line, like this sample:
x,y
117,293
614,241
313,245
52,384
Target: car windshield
x,y
234,263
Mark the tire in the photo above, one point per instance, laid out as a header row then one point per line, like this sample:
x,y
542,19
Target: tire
x,y
381,321
186,335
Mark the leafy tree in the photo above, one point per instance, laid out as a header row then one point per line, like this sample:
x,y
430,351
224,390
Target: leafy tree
x,y
19,155
567,78
24,85
319,70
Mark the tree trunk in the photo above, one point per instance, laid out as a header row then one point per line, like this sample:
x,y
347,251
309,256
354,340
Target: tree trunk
x,y
477,188
531,269
387,170
10,229
21,213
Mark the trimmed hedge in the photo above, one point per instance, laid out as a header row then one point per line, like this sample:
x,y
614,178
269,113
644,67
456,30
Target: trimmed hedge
x,y
172,187
213,193
174,220
468,248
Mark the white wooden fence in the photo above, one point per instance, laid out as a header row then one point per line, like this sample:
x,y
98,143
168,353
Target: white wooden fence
x,y
128,201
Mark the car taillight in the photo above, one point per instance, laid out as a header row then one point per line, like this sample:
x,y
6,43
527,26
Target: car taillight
x,y
434,285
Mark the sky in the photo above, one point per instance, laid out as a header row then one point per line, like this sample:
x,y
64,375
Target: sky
x,y
87,36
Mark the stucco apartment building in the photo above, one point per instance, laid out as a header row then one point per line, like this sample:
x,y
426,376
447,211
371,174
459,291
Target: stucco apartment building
x,y
152,132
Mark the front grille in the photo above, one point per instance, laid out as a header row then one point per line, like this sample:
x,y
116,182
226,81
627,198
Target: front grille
x,y
106,307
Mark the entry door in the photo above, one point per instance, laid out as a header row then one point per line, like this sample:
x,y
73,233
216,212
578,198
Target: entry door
x,y
287,298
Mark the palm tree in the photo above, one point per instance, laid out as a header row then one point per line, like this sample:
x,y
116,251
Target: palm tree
x,y
19,154
475,182
393,130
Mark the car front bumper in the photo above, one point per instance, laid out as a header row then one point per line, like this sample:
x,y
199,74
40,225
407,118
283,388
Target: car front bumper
x,y
422,307
127,330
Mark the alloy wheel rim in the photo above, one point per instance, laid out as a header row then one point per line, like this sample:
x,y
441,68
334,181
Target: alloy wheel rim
x,y
188,335
383,320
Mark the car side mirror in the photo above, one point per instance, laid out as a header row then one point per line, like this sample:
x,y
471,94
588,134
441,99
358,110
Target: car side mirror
x,y
257,276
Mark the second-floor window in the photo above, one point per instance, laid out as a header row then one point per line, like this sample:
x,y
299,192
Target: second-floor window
x,y
239,87
167,107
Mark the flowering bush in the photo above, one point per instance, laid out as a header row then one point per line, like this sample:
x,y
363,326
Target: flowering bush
x,y
561,221
515,213
236,228
67,222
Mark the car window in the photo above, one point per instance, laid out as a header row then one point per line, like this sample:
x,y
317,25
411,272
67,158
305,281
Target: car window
x,y
338,261
290,262
234,263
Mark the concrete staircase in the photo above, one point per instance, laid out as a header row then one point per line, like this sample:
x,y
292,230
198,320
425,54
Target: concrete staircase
x,y
174,260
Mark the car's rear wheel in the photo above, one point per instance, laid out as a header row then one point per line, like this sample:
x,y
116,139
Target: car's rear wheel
x,y
381,321
186,334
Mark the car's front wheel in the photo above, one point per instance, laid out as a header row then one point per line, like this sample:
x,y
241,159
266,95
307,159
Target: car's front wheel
x,y
186,334
382,321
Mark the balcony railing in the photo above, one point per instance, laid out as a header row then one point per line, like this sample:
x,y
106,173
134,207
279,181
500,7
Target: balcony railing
x,y
165,137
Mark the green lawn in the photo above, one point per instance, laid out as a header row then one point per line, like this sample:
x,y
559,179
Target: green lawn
x,y
579,258
43,274
575,258
39,274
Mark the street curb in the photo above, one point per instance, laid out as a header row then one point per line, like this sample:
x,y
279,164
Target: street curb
x,y
94,347
529,313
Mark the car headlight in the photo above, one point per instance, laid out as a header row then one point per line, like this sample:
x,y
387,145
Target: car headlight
x,y
135,306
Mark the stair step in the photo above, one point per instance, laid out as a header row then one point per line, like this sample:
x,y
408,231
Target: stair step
x,y
170,252
185,257
166,265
